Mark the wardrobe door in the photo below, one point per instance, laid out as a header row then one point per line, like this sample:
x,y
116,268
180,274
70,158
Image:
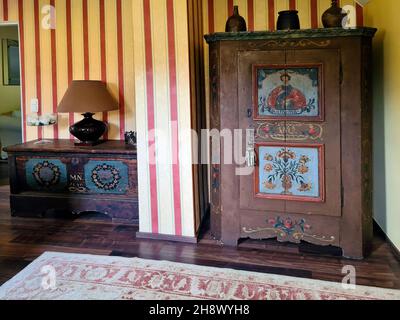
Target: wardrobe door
x,y
315,83
292,101
247,62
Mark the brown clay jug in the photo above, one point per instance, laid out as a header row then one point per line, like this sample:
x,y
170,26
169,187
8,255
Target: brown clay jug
x,y
333,17
235,23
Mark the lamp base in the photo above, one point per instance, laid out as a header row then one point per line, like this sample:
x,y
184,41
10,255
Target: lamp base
x,y
88,144
88,131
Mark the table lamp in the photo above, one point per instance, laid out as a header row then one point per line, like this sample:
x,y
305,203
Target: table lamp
x,y
88,97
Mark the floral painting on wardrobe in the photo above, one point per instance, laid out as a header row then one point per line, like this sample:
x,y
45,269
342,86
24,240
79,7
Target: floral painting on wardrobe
x,y
287,92
290,172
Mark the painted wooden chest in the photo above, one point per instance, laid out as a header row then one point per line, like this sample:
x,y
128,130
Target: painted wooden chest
x,y
302,100
60,176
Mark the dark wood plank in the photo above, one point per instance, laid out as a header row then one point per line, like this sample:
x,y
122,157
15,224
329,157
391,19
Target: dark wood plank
x,y
67,146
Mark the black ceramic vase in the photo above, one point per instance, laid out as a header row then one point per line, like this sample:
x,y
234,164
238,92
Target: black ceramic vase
x,y
288,20
235,23
333,17
88,131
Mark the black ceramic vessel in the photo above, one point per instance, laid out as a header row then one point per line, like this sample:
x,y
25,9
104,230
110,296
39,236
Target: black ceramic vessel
x,y
88,131
288,20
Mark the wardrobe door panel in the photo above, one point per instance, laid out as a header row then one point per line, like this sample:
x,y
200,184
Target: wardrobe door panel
x,y
292,101
315,70
250,117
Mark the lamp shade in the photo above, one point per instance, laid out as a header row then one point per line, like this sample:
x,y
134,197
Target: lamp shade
x,y
87,96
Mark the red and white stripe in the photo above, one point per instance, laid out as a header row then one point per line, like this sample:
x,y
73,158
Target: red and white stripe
x,y
174,117
54,73
5,10
69,54
150,114
121,84
38,64
22,59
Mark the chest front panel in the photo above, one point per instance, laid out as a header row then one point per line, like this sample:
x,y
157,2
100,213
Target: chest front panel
x,y
78,175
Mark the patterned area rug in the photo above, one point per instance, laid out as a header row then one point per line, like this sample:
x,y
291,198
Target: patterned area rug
x,y
62,276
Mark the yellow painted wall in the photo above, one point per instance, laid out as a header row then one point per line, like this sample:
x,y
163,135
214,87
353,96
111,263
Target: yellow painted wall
x,y
383,14
10,96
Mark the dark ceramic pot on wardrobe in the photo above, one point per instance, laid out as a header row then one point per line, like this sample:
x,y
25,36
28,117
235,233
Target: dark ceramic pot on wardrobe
x,y
288,20
236,22
333,17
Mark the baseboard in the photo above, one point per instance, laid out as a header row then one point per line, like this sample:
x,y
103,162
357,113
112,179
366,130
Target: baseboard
x,y
165,237
378,230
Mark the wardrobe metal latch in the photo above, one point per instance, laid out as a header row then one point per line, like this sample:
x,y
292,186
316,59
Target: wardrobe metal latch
x,y
249,112
250,158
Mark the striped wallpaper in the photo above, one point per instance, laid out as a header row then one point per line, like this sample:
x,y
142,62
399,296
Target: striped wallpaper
x,y
140,48
163,103
85,44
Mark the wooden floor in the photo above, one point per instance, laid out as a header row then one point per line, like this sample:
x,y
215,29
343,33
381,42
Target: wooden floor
x,y
24,239
3,173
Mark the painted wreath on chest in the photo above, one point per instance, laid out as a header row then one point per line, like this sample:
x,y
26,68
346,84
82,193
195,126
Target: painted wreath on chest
x,y
106,177
285,168
46,174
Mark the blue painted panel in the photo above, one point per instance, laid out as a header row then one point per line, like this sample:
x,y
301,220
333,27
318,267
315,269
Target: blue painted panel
x,y
289,171
46,175
290,92
106,177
